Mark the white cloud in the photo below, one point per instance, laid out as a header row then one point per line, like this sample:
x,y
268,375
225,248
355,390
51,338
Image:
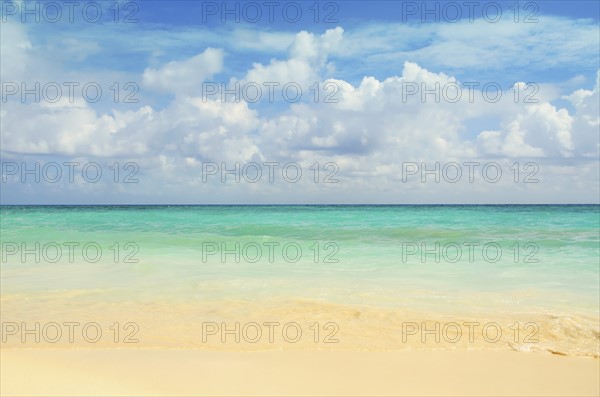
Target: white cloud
x,y
15,61
185,76
551,42
73,130
586,124
307,60
538,130
369,132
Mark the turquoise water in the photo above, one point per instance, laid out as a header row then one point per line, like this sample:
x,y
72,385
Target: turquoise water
x,y
371,255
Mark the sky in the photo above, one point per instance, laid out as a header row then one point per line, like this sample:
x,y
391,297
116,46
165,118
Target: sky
x,y
302,102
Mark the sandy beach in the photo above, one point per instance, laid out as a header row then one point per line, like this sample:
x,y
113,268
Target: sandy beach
x,y
139,372
368,325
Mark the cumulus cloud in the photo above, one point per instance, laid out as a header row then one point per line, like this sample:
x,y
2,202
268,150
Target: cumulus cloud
x,y
586,123
307,59
538,130
184,77
73,130
369,130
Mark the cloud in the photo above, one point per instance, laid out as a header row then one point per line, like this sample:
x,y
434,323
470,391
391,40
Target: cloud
x,y
73,130
307,59
375,118
184,77
542,130
586,123
538,130
475,46
15,62
370,128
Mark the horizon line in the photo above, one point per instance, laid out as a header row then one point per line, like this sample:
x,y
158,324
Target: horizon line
x,y
296,204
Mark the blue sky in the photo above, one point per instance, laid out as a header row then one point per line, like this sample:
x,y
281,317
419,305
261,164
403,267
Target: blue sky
x,y
368,53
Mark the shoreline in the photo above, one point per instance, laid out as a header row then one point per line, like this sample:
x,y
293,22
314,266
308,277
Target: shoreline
x,y
295,325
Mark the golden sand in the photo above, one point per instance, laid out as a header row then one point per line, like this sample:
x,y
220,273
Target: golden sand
x,y
141,372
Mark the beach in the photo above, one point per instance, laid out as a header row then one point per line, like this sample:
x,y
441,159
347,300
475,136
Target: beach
x,y
300,300
191,373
